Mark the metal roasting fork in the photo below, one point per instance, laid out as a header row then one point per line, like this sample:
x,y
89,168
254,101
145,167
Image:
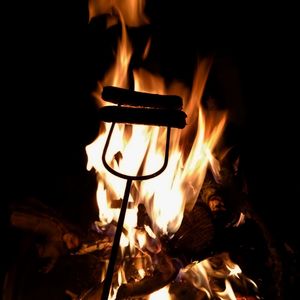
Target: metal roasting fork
x,y
141,108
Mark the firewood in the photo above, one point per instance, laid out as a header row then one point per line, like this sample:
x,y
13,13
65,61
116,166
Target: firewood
x,y
127,97
195,235
100,245
39,224
143,116
58,237
183,290
166,271
185,245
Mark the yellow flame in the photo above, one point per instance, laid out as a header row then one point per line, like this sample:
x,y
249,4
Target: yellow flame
x,y
168,195
161,294
228,293
234,270
219,268
150,232
241,220
142,273
118,73
121,278
141,238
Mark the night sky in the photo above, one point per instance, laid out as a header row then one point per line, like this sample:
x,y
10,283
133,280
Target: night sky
x,y
54,57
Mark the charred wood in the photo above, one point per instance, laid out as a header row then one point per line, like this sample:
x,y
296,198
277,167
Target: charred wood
x,y
195,236
54,236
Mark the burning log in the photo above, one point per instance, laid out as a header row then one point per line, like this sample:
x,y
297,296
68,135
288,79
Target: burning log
x,y
193,241
58,237
195,236
127,97
184,246
72,259
100,245
166,270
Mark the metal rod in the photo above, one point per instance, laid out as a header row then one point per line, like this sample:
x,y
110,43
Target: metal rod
x,y
115,246
129,178
132,177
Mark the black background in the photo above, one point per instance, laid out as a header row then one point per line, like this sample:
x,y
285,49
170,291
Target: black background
x,y
52,56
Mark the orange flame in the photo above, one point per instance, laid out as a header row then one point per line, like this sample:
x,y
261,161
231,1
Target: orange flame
x,y
161,294
167,196
131,10
136,149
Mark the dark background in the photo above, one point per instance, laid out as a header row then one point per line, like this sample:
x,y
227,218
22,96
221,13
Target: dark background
x,y
53,57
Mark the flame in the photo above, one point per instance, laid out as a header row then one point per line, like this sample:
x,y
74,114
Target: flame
x,y
118,74
140,149
241,220
196,273
168,195
141,238
161,294
219,269
131,10
228,293
235,271
179,186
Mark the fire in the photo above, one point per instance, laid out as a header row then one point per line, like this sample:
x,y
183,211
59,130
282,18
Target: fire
x,y
160,294
142,147
136,149
220,268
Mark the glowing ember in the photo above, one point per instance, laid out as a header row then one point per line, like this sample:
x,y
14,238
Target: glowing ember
x,y
131,10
